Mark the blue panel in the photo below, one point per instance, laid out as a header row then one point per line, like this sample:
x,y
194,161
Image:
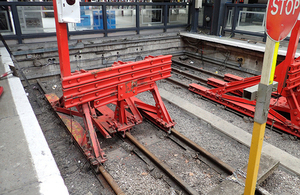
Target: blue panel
x,y
98,21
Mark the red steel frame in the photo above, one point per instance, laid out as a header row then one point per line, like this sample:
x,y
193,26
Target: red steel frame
x,y
105,98
284,109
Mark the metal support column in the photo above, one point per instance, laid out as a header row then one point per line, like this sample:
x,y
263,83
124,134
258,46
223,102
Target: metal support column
x,y
104,17
137,19
165,17
62,43
17,25
195,15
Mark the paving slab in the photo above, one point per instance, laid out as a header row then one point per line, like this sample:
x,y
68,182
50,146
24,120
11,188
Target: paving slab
x,y
288,161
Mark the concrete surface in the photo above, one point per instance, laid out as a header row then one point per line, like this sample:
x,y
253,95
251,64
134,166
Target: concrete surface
x,y
288,161
267,166
27,165
235,43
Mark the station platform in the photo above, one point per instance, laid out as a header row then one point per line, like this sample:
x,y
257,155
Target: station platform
x,y
27,165
259,47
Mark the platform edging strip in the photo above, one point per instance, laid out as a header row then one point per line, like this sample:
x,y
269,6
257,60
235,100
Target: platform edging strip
x,y
47,171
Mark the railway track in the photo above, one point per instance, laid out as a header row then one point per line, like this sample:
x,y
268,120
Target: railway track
x,y
101,174
196,78
175,62
179,139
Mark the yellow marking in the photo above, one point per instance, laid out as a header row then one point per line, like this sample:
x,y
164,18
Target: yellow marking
x,y
274,61
254,157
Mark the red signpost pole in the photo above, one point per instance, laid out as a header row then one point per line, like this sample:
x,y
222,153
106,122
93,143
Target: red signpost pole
x,y
62,44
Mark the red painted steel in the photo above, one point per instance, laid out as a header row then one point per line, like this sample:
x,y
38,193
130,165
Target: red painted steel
x,y
104,98
75,129
280,18
231,77
1,90
107,100
284,109
62,44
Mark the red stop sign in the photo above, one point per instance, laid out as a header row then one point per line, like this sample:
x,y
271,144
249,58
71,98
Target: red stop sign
x,y
282,15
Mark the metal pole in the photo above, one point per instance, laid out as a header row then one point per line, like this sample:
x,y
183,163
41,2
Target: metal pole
x,y
261,114
16,23
137,16
165,17
62,44
104,17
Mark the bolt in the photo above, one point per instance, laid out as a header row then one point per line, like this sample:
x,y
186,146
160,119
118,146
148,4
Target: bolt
x,y
97,94
69,82
295,113
79,89
132,67
96,85
78,80
95,75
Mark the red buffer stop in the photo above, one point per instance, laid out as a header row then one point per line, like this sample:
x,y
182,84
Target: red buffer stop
x,y
105,99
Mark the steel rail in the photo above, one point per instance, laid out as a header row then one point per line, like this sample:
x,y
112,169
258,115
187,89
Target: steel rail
x,y
175,70
106,177
110,181
177,83
161,165
219,63
215,160
197,69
